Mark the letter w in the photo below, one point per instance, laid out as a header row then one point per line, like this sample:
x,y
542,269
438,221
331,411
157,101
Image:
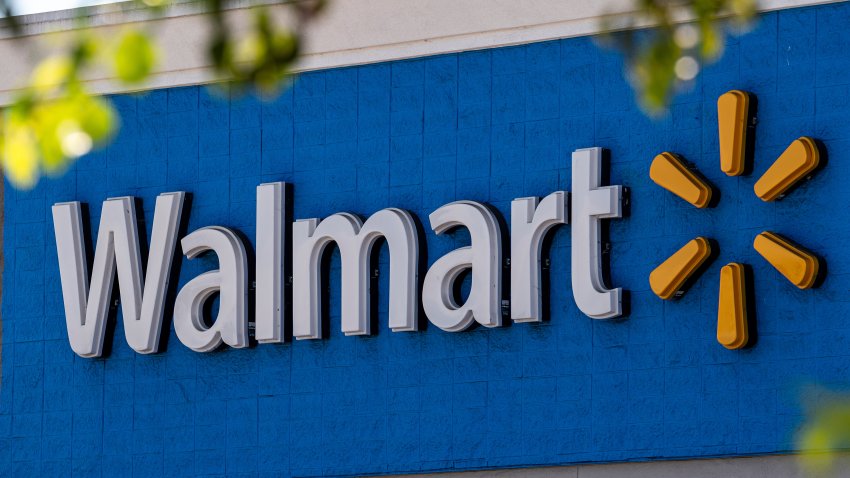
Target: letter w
x,y
142,300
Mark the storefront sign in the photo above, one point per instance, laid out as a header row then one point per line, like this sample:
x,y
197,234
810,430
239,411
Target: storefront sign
x,y
142,298
143,294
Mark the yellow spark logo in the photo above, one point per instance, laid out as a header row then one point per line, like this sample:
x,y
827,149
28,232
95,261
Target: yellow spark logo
x,y
798,265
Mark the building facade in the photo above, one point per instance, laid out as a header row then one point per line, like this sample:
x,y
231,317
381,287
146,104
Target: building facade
x,y
365,132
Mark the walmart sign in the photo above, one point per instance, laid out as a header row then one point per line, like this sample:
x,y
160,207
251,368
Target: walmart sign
x,y
143,293
143,296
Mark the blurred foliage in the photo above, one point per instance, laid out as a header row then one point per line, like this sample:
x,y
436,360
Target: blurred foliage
x,y
826,430
670,54
55,119
134,57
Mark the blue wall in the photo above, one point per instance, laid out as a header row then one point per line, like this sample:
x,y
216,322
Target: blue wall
x,y
489,126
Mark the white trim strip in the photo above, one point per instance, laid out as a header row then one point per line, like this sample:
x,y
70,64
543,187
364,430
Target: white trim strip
x,y
770,466
351,32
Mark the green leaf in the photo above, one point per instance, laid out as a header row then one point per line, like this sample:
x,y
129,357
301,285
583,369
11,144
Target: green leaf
x,y
20,155
826,430
134,57
652,61
284,46
96,117
51,73
712,41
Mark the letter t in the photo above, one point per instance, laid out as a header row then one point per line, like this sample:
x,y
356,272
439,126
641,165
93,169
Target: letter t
x,y
590,204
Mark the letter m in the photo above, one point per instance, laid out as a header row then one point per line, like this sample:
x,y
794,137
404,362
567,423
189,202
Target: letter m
x,y
142,300
355,240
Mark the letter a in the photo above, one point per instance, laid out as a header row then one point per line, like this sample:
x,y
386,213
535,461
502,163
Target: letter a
x,y
484,257
230,281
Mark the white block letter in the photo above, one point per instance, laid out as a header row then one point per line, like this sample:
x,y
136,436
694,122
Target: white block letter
x,y
270,261
590,204
484,257
529,225
230,281
142,300
355,240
